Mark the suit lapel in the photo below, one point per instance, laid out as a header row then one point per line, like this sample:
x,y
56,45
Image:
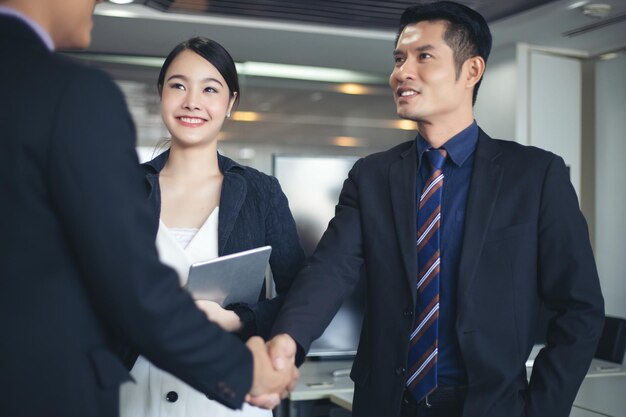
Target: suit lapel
x,y
402,174
233,194
483,192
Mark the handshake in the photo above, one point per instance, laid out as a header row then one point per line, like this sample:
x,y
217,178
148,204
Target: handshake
x,y
274,372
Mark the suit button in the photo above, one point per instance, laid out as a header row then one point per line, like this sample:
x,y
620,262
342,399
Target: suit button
x,y
400,370
171,397
408,314
225,390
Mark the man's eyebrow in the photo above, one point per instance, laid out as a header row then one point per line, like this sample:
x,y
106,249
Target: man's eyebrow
x,y
422,48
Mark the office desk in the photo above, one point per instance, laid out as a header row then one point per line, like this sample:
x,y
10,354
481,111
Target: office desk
x,y
601,368
602,393
580,412
317,380
342,399
605,395
315,388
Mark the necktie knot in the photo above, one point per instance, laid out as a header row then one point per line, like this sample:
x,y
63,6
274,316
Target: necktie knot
x,y
437,157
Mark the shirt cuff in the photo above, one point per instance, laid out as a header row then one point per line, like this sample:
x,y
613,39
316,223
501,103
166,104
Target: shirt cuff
x,y
247,317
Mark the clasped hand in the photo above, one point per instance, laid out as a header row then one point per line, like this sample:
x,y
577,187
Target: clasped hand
x,y
275,373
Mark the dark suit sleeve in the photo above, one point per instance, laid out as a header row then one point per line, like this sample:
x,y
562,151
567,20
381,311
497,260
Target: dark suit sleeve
x,y
286,260
330,275
96,190
569,287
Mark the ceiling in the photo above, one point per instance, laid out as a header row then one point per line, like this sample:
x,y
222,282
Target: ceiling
x,y
314,114
366,14
137,29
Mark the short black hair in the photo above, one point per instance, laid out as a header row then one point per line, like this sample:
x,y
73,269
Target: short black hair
x,y
215,54
467,32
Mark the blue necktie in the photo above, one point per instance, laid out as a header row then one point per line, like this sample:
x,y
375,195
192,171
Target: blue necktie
x,y
423,341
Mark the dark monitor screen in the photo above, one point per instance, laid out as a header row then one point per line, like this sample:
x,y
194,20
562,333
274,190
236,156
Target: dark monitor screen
x,y
312,185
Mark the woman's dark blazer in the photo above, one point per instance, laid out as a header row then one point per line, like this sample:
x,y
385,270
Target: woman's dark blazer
x,y
253,212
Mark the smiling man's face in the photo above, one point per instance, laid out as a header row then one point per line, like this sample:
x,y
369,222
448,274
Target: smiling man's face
x,y
424,80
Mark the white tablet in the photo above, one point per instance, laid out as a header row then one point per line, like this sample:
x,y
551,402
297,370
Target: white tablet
x,y
235,278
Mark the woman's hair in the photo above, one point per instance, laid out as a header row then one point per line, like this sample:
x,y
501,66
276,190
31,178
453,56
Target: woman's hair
x,y
215,54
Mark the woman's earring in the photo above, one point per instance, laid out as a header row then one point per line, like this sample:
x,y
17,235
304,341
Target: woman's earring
x,y
228,115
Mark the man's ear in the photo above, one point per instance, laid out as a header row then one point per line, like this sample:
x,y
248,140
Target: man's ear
x,y
475,68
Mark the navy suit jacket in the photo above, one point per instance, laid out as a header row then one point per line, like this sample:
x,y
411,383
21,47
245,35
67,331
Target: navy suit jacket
x,y
78,263
525,245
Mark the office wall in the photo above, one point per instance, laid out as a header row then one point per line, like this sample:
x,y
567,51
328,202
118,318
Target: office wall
x,y
534,97
555,92
610,180
495,109
588,146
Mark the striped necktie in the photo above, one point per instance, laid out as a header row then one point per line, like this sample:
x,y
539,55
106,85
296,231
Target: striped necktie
x,y
422,361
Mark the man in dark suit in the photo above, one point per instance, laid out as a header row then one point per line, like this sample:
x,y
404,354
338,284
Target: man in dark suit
x,y
463,238
77,254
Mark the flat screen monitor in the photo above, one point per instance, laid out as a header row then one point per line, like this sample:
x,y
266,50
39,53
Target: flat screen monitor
x,y
312,184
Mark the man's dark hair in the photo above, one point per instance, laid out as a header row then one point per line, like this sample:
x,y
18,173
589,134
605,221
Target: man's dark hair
x,y
467,32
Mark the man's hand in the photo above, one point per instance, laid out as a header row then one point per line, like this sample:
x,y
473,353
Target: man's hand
x,y
282,350
269,384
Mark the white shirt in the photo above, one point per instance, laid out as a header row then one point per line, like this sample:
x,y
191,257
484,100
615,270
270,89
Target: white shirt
x,y
178,248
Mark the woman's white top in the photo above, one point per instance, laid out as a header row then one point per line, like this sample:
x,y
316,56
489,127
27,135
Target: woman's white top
x,y
148,396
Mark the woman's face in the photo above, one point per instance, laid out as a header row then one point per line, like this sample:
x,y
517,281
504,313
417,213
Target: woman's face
x,y
194,101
